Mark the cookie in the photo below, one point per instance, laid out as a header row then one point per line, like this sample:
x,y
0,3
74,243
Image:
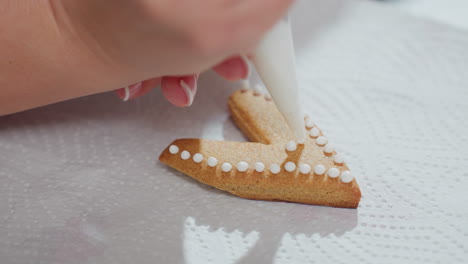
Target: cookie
x,y
272,167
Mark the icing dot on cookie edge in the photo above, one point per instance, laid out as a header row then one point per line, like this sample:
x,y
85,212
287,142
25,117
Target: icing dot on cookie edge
x,y
275,168
346,177
333,172
173,149
212,161
338,158
226,167
319,169
291,146
304,168
242,166
314,132
329,148
321,140
185,155
290,166
259,167
309,123
197,158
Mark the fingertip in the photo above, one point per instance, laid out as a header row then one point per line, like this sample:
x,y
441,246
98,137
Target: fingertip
x,y
234,69
179,91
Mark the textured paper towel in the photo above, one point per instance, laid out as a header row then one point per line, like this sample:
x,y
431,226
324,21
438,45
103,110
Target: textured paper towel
x,y
79,181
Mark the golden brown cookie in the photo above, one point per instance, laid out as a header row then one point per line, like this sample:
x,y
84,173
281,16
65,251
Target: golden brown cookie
x,y
271,167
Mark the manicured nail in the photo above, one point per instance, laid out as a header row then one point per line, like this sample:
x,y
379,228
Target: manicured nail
x,y
188,92
129,92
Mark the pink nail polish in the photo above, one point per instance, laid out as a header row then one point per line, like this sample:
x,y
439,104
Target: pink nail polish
x,y
188,92
129,92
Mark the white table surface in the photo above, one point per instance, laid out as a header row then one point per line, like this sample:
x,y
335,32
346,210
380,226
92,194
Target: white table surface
x,y
79,180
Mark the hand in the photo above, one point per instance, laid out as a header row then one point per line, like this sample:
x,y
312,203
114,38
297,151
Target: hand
x,y
180,91
63,49
175,39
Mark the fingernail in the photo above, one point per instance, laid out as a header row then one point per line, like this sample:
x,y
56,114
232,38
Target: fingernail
x,y
129,92
188,92
234,69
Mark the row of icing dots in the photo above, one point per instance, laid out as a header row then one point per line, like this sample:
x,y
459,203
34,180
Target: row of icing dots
x,y
322,141
243,166
257,89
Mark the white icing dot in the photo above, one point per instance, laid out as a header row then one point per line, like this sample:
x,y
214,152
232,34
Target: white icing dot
x,y
338,158
291,146
309,123
185,155
226,167
314,132
329,148
290,166
275,168
212,161
259,167
173,149
304,168
333,172
346,176
245,84
242,166
197,158
319,169
258,88
321,140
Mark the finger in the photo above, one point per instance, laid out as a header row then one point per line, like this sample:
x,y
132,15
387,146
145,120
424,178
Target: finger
x,y
234,68
180,91
251,25
138,89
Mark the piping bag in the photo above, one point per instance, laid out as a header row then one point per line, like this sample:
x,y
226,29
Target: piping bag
x,y
275,64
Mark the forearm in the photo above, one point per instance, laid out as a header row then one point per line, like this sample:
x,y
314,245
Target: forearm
x,y
41,62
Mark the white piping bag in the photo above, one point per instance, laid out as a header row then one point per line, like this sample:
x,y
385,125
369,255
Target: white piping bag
x,y
275,63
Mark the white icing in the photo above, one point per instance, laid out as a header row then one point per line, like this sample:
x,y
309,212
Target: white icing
x,y
212,161
333,172
247,63
290,166
304,168
274,61
338,158
329,148
309,123
291,146
226,167
245,84
275,168
173,149
319,169
242,166
314,132
259,167
258,88
127,94
185,155
197,158
321,140
346,176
